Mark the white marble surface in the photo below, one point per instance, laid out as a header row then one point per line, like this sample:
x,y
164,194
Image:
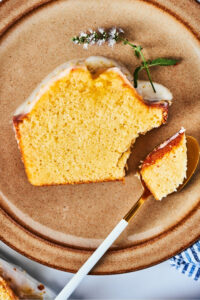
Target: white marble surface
x,y
158,282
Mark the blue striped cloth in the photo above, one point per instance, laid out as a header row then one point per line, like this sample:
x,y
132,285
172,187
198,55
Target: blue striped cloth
x,y
188,262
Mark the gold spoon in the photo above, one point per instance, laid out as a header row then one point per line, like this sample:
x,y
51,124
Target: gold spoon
x,y
193,152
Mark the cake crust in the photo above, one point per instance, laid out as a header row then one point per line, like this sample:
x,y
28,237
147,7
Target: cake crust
x,y
161,150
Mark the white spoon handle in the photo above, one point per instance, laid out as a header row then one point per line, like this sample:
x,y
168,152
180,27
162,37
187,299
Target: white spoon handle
x,y
92,260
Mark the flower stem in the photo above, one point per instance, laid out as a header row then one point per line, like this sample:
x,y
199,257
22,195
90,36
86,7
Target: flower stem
x,y
147,70
138,51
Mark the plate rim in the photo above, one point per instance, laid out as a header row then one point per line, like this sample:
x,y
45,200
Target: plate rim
x,y
14,10
15,231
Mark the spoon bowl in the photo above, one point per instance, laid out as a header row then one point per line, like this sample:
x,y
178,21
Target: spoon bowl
x,y
193,153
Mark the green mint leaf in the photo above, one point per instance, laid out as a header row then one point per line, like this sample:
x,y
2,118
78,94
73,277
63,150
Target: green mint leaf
x,y
163,62
137,53
135,75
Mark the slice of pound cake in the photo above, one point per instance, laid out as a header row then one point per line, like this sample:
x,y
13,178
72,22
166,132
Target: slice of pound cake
x,y
79,124
164,169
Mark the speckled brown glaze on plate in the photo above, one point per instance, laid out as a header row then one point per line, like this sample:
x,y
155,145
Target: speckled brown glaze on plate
x,y
60,225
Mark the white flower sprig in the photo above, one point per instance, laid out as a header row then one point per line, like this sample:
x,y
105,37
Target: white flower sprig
x,y
98,37
114,35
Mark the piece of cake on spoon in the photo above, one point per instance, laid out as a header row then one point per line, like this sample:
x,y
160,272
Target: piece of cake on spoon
x,y
164,169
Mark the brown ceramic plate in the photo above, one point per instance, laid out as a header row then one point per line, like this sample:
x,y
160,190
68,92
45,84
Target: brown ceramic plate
x,y
60,225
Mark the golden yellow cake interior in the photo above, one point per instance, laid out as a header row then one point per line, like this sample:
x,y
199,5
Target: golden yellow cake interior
x,y
165,168
82,127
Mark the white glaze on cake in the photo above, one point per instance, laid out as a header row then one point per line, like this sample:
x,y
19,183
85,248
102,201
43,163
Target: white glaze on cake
x,y
145,90
26,286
